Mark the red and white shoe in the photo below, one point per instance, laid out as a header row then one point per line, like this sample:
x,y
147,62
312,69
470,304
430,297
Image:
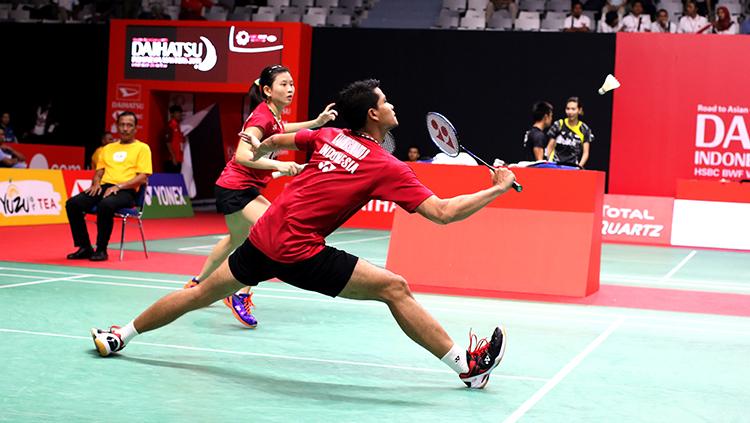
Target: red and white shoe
x,y
483,358
107,341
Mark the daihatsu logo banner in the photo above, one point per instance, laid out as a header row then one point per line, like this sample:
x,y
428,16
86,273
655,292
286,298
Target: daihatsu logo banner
x,y
232,53
161,53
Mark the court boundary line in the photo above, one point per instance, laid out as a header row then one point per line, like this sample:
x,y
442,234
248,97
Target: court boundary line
x,y
679,265
519,308
68,279
562,373
273,356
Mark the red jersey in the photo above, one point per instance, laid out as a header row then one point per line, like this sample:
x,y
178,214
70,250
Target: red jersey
x,y
239,177
176,139
344,173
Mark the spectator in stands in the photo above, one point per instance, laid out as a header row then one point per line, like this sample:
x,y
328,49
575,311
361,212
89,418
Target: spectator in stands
x,y
744,25
155,12
509,5
10,135
193,9
65,9
45,123
536,141
122,170
106,139
724,24
570,137
9,157
413,154
692,22
577,21
663,24
175,141
636,21
610,23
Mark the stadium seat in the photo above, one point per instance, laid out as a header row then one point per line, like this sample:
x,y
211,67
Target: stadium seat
x,y
135,212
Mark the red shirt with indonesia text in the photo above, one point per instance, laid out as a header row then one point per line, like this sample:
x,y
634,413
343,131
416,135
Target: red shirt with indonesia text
x,y
344,173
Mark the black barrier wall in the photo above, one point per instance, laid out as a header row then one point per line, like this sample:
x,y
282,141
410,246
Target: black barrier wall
x,y
485,82
64,64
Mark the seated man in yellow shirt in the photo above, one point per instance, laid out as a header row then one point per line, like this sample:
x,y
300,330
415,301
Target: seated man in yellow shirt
x,y
122,169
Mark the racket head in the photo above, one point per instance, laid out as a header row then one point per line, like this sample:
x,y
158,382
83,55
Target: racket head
x,y
443,134
389,142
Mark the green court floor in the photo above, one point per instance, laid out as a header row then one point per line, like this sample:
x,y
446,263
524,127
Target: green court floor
x,y
315,359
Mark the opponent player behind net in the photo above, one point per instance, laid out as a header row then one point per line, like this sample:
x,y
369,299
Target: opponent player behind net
x,y
347,169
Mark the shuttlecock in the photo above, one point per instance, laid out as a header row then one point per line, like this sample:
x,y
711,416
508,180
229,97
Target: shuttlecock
x,y
610,83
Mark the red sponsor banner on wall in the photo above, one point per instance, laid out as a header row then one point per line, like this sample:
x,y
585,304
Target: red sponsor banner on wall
x,y
77,181
678,115
40,156
637,219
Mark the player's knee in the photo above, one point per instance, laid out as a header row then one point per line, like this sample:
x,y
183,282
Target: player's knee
x,y
396,288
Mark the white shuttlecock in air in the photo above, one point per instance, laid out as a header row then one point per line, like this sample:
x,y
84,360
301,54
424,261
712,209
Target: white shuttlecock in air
x,y
610,83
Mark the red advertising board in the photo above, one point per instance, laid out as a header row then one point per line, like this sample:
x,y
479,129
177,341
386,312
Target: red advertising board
x,y
77,181
637,219
40,156
683,111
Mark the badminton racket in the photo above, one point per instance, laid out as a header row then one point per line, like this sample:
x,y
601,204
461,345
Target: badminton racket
x,y
444,135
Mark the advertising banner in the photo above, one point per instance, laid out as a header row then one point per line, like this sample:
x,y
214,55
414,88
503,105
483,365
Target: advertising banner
x,y
40,156
678,114
637,219
166,196
32,197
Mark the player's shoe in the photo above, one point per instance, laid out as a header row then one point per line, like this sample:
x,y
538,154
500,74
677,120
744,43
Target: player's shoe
x,y
242,308
483,358
193,282
107,341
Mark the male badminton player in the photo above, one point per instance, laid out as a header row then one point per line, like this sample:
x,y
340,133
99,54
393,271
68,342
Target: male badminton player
x,y
348,168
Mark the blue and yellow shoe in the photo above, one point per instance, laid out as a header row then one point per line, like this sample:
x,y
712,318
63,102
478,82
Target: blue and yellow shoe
x,y
193,282
241,306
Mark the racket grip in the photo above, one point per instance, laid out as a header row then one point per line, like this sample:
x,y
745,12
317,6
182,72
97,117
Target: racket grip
x,y
276,174
518,187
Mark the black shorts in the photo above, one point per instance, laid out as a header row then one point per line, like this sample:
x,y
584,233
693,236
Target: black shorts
x,y
229,201
326,272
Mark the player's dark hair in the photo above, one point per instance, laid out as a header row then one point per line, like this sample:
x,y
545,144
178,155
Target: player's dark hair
x,y
175,108
611,17
128,113
576,3
632,5
540,109
413,146
354,102
266,78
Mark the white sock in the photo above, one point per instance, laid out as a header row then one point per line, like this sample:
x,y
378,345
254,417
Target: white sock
x,y
456,359
128,332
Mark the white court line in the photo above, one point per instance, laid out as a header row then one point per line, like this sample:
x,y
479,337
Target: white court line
x,y
693,327
69,278
275,356
538,395
679,266
355,241
197,247
683,283
516,308
348,231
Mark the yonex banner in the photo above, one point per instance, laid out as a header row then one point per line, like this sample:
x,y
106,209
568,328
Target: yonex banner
x,y
166,196
31,197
